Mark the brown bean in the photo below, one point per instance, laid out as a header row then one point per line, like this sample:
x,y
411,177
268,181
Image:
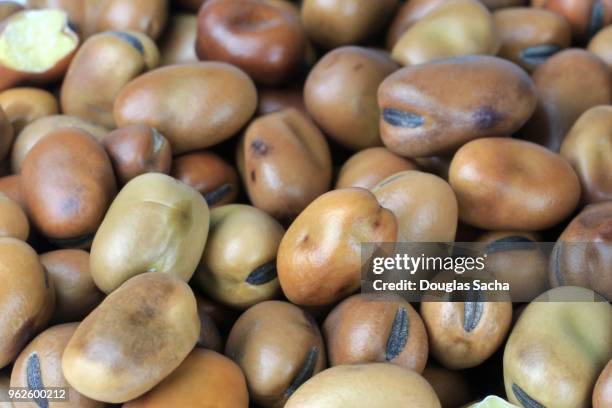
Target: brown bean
x,y
515,258
409,13
588,148
24,297
11,187
238,267
557,349
368,167
377,385
284,162
600,45
530,36
512,184
583,254
13,220
568,84
103,65
318,259
136,337
451,387
177,44
602,395
278,346
376,328
136,150
465,334
483,96
586,17
204,378
208,173
340,94
68,203
222,99
334,23
275,99
261,37
76,293
40,366
23,106
39,128
210,337
424,206
454,28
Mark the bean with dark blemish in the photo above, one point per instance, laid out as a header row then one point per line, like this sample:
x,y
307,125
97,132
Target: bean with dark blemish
x,y
82,176
418,120
39,368
530,36
465,334
557,349
213,177
376,328
26,303
287,161
586,17
277,348
238,267
136,337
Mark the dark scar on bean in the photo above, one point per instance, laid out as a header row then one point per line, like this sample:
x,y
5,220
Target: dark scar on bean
x,y
262,274
399,334
400,118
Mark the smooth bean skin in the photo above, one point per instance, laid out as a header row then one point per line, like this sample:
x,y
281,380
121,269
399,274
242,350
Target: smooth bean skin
x,y
424,206
588,148
166,232
22,106
102,66
76,293
278,346
368,167
586,17
602,395
455,28
136,150
451,387
285,163
13,220
376,385
511,184
213,177
366,328
568,84
408,14
460,341
340,94
242,241
331,24
70,184
483,96
177,44
318,259
24,297
558,348
41,363
39,128
525,270
136,337
530,36
11,187
204,378
222,99
583,252
263,38
600,45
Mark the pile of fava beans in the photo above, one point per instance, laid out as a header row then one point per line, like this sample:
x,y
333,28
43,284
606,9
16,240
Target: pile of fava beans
x,y
185,186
